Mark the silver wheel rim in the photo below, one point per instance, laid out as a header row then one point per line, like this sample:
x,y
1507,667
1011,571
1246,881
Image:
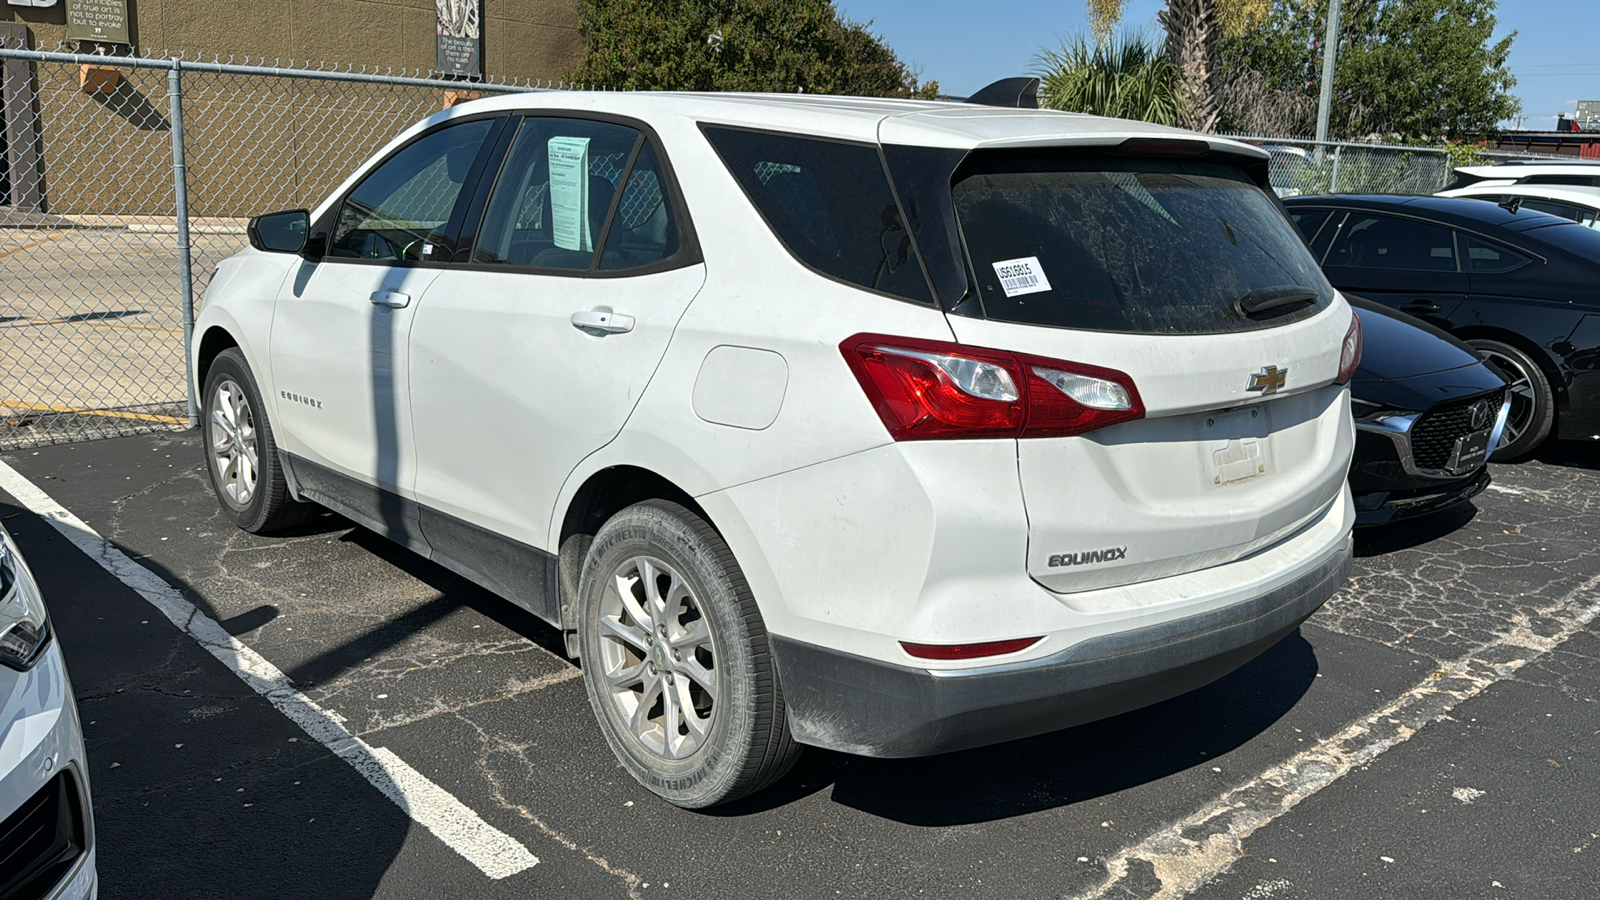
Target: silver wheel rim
x,y
657,659
232,427
1524,397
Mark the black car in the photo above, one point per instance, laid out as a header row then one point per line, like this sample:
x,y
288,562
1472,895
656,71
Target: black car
x,y
1521,287
1428,412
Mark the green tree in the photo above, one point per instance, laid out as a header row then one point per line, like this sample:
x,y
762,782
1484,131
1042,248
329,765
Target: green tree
x,y
1127,77
737,45
1412,70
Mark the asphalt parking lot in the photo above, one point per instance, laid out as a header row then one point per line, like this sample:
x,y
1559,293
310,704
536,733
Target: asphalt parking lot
x,y
1429,733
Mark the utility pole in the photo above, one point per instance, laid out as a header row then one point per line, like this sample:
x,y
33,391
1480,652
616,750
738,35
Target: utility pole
x,y
1330,50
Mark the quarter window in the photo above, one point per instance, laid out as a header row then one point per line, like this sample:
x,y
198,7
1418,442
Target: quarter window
x,y
1486,258
557,189
1384,242
401,210
830,205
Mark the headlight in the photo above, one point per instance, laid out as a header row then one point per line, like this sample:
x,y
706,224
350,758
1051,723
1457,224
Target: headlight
x,y
24,627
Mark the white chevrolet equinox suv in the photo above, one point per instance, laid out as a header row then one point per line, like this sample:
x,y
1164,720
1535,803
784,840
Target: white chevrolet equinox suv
x,y
891,427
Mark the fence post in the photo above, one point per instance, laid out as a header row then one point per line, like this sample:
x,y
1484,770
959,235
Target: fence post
x,y
180,192
1333,179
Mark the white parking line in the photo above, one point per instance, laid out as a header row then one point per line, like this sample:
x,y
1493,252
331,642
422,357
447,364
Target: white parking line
x,y
1193,850
494,852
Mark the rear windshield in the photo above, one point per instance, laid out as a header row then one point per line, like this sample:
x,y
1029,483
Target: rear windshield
x,y
1138,246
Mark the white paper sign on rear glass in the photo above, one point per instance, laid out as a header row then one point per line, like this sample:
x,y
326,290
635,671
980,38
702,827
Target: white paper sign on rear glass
x,y
569,193
1021,276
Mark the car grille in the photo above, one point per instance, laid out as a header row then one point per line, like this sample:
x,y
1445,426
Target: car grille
x,y
40,842
1433,437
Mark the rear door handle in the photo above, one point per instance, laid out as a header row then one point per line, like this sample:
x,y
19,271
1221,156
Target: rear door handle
x,y
1420,306
391,298
602,319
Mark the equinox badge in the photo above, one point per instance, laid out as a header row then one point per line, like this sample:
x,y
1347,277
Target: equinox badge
x,y
1268,380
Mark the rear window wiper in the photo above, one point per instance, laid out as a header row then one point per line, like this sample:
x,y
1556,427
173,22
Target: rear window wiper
x,y
1263,299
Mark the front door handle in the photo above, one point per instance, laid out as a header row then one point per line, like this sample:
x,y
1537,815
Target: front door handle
x,y
602,320
1420,306
391,298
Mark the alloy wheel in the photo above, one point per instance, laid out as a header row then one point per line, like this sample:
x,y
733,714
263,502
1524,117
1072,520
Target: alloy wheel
x,y
1522,391
233,443
658,659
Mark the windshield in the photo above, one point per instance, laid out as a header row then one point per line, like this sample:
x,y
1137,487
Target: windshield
x,y
1137,246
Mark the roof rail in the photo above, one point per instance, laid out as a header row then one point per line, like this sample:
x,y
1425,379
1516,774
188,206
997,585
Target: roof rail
x,y
1017,93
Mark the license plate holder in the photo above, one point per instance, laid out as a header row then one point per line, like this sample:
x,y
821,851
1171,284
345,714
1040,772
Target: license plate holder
x,y
1471,451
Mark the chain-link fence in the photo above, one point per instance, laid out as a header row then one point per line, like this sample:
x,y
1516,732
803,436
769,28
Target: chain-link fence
x,y
126,180
1309,167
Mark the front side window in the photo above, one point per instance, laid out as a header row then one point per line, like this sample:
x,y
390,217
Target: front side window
x,y
1385,242
830,205
400,212
559,183
1309,221
1143,246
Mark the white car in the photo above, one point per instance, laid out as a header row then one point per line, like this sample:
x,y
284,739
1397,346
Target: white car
x,y
1581,204
46,824
892,427
1582,173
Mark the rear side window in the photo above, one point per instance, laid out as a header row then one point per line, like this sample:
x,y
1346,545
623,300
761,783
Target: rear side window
x,y
829,203
556,188
1137,246
1388,242
1582,215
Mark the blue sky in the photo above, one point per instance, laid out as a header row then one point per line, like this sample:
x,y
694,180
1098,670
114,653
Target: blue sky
x,y
966,44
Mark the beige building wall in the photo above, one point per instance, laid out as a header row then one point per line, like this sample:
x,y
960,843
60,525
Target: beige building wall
x,y
258,144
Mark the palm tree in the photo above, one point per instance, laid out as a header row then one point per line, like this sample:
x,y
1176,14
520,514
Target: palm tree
x,y
1193,28
1127,78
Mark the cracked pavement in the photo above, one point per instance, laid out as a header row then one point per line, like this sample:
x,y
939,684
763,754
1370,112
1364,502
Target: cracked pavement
x,y
1459,654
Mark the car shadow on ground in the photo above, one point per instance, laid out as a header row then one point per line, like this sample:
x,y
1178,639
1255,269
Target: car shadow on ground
x,y
1570,454
1411,533
200,787
1064,767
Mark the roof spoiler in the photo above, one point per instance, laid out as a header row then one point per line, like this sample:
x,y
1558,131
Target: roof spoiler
x,y
1016,93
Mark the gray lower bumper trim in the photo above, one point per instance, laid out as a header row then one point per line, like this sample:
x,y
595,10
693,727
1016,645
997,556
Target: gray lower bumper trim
x,y
857,705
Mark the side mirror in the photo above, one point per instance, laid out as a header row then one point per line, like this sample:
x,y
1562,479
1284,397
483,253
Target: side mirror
x,y
280,232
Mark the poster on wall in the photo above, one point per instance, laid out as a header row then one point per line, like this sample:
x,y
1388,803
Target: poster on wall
x,y
460,37
105,21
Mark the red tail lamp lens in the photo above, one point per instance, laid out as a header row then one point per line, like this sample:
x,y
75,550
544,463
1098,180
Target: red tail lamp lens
x,y
969,651
935,389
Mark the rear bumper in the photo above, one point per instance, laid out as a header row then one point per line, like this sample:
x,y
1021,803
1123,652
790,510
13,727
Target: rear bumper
x,y
850,703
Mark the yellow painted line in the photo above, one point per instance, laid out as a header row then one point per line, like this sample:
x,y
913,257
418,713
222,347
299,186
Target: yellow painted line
x,y
34,244
108,413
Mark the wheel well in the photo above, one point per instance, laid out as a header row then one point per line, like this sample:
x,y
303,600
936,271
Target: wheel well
x,y
1540,355
606,493
213,342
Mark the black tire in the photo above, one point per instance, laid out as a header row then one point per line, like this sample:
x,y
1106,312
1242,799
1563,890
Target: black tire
x,y
230,398
1533,404
746,744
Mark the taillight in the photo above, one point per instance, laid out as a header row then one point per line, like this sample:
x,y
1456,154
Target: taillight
x,y
1350,352
925,390
968,651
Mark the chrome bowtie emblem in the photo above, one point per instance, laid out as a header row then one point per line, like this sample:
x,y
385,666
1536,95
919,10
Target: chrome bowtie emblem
x,y
1268,380
1480,415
